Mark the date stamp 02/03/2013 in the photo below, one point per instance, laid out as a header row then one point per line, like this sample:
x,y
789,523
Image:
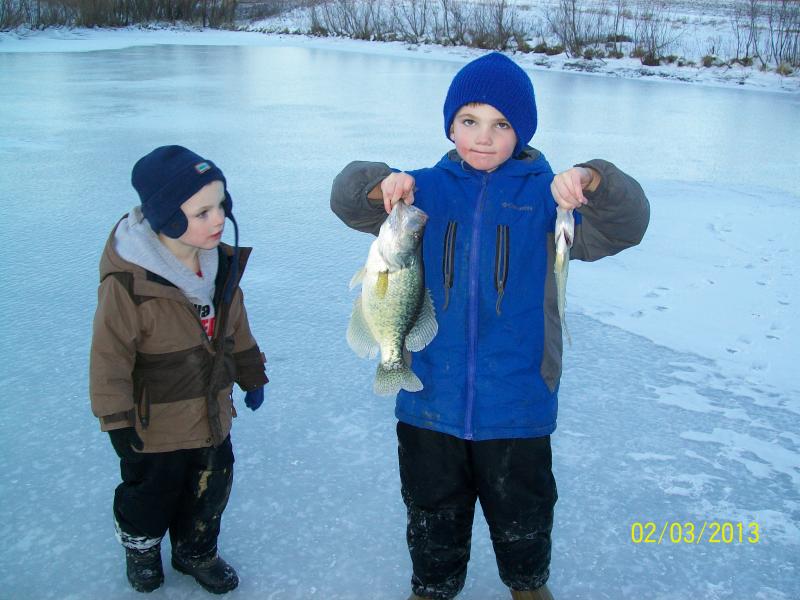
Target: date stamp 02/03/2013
x,y
695,532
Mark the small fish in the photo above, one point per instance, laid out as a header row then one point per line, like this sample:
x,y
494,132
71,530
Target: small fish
x,y
394,313
564,235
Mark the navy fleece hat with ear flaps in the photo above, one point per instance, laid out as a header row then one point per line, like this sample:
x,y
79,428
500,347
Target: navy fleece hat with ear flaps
x,y
497,80
168,177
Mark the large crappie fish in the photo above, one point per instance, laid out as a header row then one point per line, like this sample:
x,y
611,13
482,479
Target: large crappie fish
x,y
394,313
564,235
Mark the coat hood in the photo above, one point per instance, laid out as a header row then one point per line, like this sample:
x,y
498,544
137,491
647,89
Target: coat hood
x,y
132,234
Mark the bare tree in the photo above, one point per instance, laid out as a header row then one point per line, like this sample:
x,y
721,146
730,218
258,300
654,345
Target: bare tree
x,y
653,34
746,31
575,25
504,22
358,19
783,25
564,25
412,18
618,24
12,13
454,23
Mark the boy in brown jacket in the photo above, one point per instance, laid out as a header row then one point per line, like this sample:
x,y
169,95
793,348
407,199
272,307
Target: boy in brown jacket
x,y
170,338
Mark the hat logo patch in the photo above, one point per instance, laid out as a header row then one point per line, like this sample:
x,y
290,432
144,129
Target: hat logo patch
x,y
202,167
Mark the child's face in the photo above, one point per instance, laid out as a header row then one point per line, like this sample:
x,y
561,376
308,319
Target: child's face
x,y
483,136
206,216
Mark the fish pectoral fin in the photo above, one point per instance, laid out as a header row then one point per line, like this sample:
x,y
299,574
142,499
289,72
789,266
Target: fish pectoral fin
x,y
407,357
359,336
358,277
425,328
382,285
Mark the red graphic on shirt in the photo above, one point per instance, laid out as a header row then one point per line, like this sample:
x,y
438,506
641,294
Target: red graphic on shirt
x,y
208,325
203,311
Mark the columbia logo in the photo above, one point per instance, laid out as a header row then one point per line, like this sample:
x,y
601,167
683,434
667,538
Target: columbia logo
x,y
517,207
202,167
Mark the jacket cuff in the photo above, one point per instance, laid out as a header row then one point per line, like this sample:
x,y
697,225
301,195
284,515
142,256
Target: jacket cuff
x,y
616,216
349,195
614,184
118,420
250,372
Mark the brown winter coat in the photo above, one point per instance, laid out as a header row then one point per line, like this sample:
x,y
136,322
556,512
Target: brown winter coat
x,y
152,365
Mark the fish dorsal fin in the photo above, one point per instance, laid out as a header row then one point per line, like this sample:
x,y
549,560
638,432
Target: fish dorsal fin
x,y
359,337
425,328
358,277
382,285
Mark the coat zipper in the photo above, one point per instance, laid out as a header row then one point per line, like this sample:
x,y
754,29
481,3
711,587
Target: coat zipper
x,y
448,258
474,303
218,343
500,264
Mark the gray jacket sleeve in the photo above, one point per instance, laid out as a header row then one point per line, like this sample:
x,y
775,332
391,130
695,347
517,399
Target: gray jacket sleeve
x,y
616,216
349,195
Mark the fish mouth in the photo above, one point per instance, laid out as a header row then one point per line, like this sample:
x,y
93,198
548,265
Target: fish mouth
x,y
408,217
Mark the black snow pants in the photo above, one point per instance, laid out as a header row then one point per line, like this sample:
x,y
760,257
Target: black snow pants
x,y
184,492
441,476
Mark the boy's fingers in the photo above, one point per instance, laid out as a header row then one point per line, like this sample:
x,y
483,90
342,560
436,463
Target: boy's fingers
x,y
395,189
387,198
569,189
398,192
558,189
577,181
564,193
388,188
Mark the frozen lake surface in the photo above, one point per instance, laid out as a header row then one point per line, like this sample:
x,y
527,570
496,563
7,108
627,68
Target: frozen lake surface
x,y
662,417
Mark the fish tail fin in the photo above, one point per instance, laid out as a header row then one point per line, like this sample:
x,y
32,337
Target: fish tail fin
x,y
391,378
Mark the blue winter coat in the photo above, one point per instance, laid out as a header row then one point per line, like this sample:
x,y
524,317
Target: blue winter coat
x,y
493,369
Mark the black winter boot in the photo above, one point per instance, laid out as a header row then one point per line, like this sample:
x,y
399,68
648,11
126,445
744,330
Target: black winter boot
x,y
214,574
144,569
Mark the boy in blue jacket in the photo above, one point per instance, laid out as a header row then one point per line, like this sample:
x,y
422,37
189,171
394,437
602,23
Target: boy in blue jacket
x,y
480,428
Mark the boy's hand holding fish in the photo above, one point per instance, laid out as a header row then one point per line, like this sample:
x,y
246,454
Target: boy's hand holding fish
x,y
395,187
567,187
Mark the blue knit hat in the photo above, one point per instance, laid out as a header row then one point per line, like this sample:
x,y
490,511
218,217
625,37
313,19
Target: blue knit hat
x,y
168,177
497,80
